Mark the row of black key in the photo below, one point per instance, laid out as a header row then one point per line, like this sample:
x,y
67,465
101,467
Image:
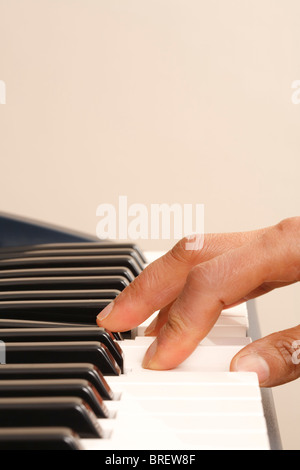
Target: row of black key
x,y
40,378
54,376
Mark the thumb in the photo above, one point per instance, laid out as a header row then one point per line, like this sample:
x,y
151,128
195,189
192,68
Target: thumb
x,y
275,358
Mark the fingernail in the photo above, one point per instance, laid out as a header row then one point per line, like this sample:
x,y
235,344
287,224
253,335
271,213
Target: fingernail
x,y
105,312
149,355
254,363
150,328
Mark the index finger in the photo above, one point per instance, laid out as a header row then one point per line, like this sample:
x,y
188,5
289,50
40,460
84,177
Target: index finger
x,y
162,281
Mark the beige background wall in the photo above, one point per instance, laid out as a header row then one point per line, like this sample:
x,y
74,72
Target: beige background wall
x,y
184,101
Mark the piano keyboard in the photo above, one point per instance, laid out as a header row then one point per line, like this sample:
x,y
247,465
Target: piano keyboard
x,y
68,384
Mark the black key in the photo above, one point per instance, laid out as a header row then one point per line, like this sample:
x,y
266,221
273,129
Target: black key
x,y
74,246
55,388
69,412
11,323
59,294
75,311
69,272
59,352
35,371
115,283
30,335
39,439
88,252
71,261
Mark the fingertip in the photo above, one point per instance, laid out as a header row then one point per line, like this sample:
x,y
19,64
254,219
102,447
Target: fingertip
x,y
149,361
105,313
252,363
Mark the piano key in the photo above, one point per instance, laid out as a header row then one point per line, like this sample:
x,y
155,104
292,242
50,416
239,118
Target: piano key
x,y
13,323
69,412
117,283
30,335
237,311
75,246
148,389
63,352
176,376
36,371
89,252
210,355
234,320
186,404
69,272
71,261
76,311
39,439
55,388
225,326
192,421
173,428
164,438
59,294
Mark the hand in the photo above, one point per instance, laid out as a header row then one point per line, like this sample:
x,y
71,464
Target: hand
x,y
191,288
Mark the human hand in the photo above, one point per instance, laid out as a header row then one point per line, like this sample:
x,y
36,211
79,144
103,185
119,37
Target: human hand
x,y
192,287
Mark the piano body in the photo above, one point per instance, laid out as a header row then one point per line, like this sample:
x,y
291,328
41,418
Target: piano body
x,y
67,384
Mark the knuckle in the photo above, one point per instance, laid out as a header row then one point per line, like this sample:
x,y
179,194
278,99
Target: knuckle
x,y
191,248
279,247
208,275
179,252
289,225
176,325
198,276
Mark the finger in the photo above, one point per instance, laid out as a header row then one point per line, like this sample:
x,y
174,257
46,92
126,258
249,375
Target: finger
x,y
215,284
159,321
275,358
162,281
157,286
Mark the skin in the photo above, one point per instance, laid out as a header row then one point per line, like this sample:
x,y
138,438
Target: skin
x,y
190,288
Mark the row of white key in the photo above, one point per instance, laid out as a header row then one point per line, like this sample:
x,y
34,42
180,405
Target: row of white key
x,y
198,405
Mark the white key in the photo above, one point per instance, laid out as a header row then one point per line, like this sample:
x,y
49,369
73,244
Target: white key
x,y
226,326
175,376
167,439
210,355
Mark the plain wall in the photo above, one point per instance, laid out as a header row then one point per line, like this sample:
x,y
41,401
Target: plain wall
x,y
164,101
